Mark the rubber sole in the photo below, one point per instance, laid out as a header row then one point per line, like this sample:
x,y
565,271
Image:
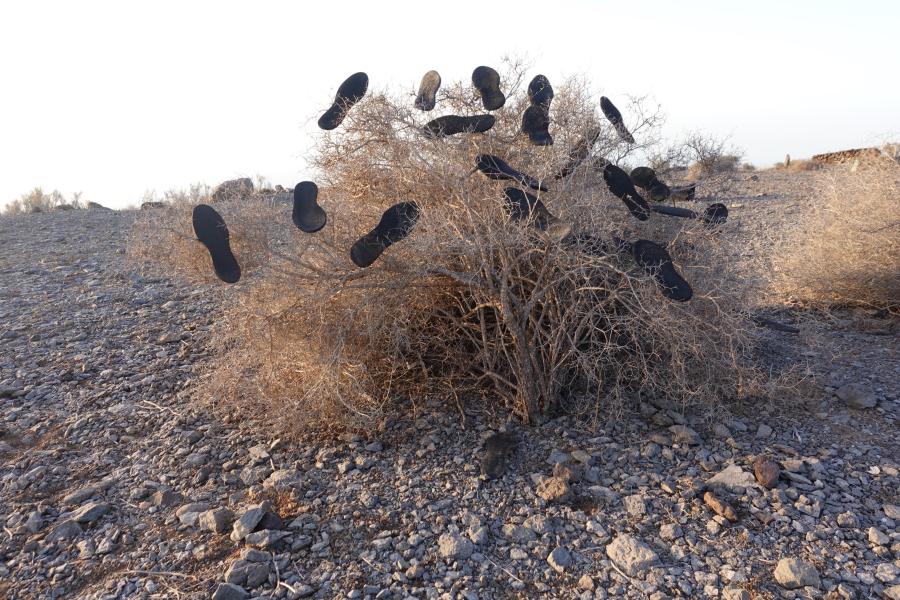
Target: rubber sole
x,y
659,192
523,206
453,124
715,214
613,115
540,92
211,231
654,259
620,185
426,98
349,93
307,215
536,124
395,224
494,167
683,193
487,81
643,177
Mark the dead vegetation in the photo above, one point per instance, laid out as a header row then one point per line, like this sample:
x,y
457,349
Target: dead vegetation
x,y
38,201
471,306
845,249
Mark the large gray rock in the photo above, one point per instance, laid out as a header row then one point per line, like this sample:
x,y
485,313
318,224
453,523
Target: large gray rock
x,y
248,521
733,477
66,530
246,573
90,512
232,189
229,591
630,554
560,559
793,573
217,520
451,545
856,396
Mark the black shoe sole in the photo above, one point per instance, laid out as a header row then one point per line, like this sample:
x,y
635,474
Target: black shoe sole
x,y
644,177
431,83
654,259
349,93
673,211
683,193
453,124
536,123
540,92
307,215
210,229
580,151
522,206
395,224
615,117
487,81
494,167
715,214
659,192
620,185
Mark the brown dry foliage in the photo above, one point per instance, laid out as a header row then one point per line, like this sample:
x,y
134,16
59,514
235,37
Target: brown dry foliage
x,y
845,248
470,305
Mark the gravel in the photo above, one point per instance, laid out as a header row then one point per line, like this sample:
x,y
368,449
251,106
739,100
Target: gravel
x,y
116,483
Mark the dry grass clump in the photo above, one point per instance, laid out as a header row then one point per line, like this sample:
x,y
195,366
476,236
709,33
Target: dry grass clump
x,y
845,250
471,305
37,201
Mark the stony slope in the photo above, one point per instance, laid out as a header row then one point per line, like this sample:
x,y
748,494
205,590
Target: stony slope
x,y
113,484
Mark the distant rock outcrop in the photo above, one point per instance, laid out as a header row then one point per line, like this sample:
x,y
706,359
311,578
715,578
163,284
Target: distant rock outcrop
x,y
232,189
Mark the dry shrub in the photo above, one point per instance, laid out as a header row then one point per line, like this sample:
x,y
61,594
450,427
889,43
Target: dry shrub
x,y
796,166
163,238
845,249
471,305
38,201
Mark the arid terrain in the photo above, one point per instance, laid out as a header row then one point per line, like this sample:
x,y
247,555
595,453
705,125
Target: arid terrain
x,y
115,483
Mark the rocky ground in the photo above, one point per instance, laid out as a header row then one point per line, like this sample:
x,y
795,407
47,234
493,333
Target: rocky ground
x,y
114,484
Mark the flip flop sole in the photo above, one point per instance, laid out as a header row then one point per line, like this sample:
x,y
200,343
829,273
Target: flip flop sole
x,y
395,224
349,93
431,83
494,167
453,124
621,186
540,92
522,206
613,115
211,231
715,214
536,123
654,259
643,177
487,81
307,215
684,193
673,211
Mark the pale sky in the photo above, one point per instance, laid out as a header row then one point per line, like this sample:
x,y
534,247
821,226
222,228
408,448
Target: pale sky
x,y
116,98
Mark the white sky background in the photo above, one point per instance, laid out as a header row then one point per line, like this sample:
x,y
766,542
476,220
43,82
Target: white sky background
x,y
116,98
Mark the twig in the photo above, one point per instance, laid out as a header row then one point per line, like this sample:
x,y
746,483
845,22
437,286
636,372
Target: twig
x,y
162,573
155,405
